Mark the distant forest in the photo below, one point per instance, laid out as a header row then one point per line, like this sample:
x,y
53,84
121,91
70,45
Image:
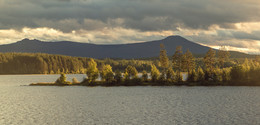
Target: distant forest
x,y
29,63
39,63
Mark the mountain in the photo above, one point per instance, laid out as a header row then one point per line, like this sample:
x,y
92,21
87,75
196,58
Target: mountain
x,y
126,51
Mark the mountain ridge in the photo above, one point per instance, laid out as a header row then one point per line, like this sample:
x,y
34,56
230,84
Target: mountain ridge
x,y
125,51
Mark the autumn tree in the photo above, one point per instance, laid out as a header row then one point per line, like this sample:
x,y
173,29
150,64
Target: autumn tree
x,y
192,76
209,60
188,61
92,71
179,77
62,80
177,58
217,75
170,75
107,73
144,76
163,57
131,71
257,59
74,80
226,75
118,76
201,75
155,73
223,55
162,78
126,77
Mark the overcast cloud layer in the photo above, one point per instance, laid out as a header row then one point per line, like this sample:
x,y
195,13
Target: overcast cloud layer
x,y
234,23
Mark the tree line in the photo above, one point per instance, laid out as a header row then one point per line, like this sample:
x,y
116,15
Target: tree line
x,y
170,71
29,63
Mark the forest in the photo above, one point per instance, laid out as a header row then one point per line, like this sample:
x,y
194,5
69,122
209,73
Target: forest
x,y
215,68
29,63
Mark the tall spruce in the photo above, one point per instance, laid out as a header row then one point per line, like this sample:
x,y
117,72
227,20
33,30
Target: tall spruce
x,y
155,73
188,61
201,75
170,75
177,58
163,57
209,60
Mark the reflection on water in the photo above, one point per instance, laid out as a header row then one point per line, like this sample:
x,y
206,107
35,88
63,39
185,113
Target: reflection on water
x,y
124,105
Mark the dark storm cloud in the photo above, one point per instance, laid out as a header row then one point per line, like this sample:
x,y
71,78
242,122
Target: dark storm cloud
x,y
144,15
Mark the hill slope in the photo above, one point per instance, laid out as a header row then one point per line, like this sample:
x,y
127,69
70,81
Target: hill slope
x,y
126,51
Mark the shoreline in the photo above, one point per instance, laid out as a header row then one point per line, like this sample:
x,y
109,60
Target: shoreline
x,y
39,74
145,84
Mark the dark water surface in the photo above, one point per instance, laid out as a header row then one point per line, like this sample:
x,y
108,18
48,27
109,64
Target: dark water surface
x,y
32,105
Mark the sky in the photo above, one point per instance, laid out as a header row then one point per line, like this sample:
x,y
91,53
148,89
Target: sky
x,y
231,23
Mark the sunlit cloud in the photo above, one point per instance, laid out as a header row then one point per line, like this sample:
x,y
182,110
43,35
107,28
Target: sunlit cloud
x,y
233,23
104,36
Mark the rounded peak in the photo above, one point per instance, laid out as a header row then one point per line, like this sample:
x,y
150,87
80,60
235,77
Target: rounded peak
x,y
174,36
25,39
28,40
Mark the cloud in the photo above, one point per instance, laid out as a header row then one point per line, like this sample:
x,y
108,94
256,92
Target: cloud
x,y
104,36
135,14
233,23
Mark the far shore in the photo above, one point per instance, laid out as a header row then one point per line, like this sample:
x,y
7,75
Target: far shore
x,y
41,74
133,84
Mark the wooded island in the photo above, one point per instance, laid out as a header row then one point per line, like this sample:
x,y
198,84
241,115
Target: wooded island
x,y
207,71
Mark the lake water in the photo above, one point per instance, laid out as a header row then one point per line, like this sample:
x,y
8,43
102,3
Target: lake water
x,y
77,105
